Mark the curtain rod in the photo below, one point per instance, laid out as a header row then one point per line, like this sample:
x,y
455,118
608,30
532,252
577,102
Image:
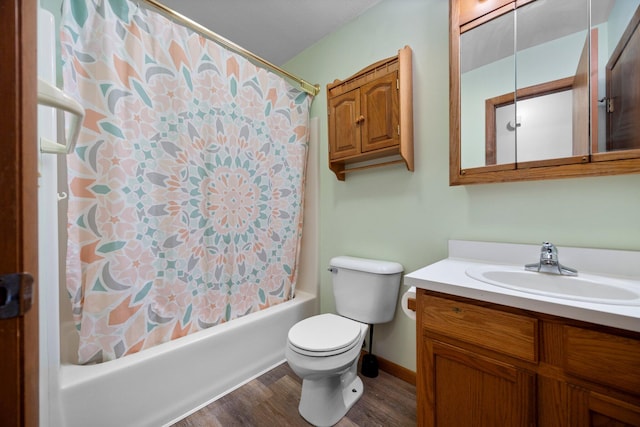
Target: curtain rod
x,y
304,85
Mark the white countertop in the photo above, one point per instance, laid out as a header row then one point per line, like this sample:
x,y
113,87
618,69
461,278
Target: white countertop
x,y
449,276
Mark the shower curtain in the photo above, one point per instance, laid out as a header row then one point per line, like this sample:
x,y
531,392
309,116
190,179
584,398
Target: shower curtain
x,y
186,185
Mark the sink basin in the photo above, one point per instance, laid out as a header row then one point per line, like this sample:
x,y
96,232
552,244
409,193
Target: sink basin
x,y
584,287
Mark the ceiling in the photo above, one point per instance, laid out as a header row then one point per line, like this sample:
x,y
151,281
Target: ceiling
x,y
275,30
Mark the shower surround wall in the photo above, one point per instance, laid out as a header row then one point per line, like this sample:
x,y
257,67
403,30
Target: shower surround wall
x,y
186,185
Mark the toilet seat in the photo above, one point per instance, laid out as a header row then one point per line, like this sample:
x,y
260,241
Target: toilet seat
x,y
324,335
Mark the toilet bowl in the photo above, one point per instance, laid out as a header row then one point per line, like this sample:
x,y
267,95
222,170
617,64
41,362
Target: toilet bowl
x,y
323,350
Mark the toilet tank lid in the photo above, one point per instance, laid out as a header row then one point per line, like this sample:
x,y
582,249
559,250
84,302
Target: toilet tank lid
x,y
366,265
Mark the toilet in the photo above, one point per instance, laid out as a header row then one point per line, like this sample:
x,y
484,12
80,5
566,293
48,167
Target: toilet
x,y
323,350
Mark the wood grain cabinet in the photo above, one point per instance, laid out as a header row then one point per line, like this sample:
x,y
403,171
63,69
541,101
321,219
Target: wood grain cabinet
x,y
483,364
370,116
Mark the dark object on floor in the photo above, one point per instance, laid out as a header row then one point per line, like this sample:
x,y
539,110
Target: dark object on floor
x,y
369,366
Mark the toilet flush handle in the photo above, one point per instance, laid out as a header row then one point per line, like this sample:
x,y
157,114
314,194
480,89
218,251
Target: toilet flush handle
x,y
332,269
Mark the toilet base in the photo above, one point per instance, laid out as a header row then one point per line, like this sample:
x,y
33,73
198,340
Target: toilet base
x,y
325,401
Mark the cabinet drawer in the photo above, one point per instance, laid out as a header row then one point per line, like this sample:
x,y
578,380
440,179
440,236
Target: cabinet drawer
x,y
603,358
506,333
472,9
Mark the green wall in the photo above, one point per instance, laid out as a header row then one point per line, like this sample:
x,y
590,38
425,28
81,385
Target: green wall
x,y
390,213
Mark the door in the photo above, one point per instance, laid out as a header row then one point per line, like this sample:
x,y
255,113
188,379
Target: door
x,y
18,202
623,90
470,389
344,125
592,409
585,97
380,113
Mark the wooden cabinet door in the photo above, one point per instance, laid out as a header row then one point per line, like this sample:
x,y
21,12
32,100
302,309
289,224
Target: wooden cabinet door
x,y
588,408
466,389
344,125
380,113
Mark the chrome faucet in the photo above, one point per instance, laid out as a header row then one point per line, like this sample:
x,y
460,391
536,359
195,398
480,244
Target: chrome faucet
x,y
549,262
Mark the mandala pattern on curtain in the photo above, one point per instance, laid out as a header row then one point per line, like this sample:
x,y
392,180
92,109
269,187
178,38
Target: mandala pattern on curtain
x,y
186,185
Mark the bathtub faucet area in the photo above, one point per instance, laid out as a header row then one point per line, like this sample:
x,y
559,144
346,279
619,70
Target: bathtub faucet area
x,y
549,262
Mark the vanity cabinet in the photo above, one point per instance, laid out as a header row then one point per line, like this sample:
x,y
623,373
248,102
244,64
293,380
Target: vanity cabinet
x,y
485,364
370,117
609,360
462,380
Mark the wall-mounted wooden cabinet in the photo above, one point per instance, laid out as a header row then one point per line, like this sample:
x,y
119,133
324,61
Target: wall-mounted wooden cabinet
x,y
370,116
485,364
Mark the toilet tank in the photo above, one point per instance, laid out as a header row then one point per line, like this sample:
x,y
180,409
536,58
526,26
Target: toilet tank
x,y
365,290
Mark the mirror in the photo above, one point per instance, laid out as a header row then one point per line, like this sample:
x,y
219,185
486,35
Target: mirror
x,y
487,70
616,38
552,67
544,89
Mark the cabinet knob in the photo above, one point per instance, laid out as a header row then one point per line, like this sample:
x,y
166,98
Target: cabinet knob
x,y
360,119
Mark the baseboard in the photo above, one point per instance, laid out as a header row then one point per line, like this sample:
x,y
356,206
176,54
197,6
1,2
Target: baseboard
x,y
394,369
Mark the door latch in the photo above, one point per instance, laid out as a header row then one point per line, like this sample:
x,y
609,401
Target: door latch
x,y
610,106
16,293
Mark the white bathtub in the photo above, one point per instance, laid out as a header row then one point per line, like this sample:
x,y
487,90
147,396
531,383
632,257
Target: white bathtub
x,y
161,385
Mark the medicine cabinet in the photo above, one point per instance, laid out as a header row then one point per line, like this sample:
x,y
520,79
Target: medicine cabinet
x,y
543,89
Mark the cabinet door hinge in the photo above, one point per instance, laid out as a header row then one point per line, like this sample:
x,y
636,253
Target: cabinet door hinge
x,y
16,292
397,84
398,130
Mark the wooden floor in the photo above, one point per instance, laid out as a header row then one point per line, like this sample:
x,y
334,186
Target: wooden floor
x,y
272,400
